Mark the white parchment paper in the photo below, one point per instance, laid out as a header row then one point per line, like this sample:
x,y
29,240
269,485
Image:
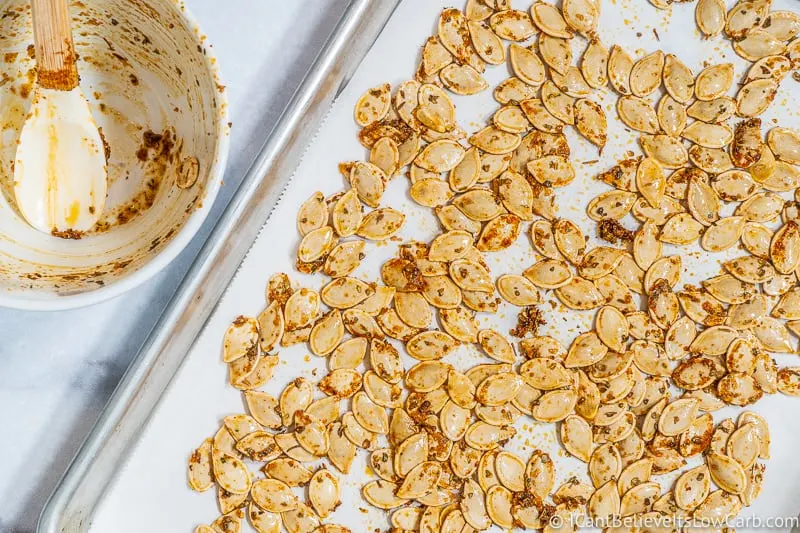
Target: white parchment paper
x,y
151,494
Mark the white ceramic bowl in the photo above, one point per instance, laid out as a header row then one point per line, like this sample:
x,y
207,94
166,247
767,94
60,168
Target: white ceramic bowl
x,y
155,92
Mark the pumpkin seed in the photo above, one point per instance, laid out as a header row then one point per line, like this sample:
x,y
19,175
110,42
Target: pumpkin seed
x,y
441,292
201,474
734,186
713,111
743,445
576,436
755,97
518,290
784,249
650,181
512,25
557,103
726,472
264,408
241,339
719,505
590,121
549,20
539,474
495,141
369,415
440,156
544,373
435,111
755,480
289,471
761,207
671,115
385,155
526,65
650,358
381,494
697,437
484,436
274,496
459,323
555,405
344,258
789,381
453,219
462,79
711,160
373,105
381,224
773,335
516,194
759,43
499,505
775,67
615,293
710,16
611,204
692,487
645,76
594,63
499,233
637,114
549,274
638,499
513,91
510,119
738,389
341,382
744,17
571,82
605,502
605,465
313,214
248,373
620,65
498,389
580,294
612,328
485,41
454,35
406,100
427,376
407,518
432,344
714,81
646,246
346,216
540,117
708,135
473,506
297,396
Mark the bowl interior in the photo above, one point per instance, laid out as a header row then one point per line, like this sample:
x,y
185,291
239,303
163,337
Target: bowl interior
x,y
154,92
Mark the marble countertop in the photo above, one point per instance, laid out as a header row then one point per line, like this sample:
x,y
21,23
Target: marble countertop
x,y
57,370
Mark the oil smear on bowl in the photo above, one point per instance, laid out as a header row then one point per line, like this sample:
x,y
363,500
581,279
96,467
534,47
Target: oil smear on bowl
x,y
161,109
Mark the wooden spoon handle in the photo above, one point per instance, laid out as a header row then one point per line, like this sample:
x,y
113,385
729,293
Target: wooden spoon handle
x,y
52,37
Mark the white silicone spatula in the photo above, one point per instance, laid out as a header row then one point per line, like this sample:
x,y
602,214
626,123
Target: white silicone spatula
x,y
60,173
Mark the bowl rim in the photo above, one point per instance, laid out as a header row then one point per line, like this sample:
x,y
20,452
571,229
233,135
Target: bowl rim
x,y
187,231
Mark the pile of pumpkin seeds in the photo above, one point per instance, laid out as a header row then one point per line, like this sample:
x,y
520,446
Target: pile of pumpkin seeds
x,y
633,396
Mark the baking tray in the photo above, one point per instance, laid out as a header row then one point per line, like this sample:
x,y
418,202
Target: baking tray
x,y
70,507
148,485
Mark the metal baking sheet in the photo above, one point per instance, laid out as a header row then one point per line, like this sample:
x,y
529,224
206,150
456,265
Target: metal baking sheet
x,y
73,503
150,488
